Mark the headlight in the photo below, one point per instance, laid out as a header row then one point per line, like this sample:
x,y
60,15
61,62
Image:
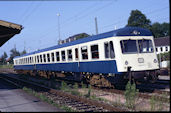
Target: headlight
x,y
126,62
155,61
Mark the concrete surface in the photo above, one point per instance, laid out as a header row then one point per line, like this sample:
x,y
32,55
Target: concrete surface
x,y
17,100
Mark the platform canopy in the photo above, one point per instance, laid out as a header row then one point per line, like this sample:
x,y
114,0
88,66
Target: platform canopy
x,y
8,30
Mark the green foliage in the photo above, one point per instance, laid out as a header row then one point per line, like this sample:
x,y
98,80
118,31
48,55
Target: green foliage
x,y
82,35
23,52
138,19
3,58
75,90
7,66
164,56
83,85
13,54
131,95
89,92
160,30
64,86
152,103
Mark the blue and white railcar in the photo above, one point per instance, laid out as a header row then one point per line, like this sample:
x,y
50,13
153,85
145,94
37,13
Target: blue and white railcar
x,y
129,51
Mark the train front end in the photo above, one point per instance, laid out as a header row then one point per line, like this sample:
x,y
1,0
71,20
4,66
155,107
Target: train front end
x,y
138,59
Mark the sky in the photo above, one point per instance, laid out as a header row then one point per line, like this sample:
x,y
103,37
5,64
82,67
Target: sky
x,y
43,20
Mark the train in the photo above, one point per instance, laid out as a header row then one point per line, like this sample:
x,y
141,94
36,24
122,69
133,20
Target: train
x,y
104,59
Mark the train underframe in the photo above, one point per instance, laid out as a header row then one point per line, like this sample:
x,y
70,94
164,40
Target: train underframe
x,y
95,79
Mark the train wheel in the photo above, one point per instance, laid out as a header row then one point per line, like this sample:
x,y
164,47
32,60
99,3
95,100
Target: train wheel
x,y
153,78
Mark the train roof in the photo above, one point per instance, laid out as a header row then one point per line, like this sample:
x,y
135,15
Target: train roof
x,y
126,31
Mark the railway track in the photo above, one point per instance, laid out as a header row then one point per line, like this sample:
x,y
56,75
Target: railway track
x,y
142,88
75,102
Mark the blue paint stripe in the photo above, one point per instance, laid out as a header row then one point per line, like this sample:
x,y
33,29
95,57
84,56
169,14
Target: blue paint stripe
x,y
92,67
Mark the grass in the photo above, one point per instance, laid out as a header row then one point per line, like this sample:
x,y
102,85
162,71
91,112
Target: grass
x,y
6,66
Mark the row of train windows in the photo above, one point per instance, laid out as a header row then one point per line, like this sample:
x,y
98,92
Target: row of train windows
x,y
108,48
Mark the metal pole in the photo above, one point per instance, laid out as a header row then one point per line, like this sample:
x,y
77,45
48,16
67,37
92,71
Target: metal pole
x,y
96,25
58,28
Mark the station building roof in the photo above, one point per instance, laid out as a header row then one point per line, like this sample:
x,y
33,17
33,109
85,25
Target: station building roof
x,y
8,30
162,41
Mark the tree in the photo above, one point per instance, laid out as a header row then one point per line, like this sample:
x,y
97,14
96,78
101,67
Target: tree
x,y
82,35
13,54
160,30
138,19
23,52
3,58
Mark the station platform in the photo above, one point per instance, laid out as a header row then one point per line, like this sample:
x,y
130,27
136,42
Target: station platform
x,y
13,99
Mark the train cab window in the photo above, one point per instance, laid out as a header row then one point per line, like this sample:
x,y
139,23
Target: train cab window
x,y
69,52
109,50
84,52
63,55
129,46
41,58
76,53
94,52
44,57
38,59
156,49
48,57
53,58
145,46
57,56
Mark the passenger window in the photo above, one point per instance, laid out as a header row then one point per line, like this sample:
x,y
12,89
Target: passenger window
x,y
106,46
63,55
44,57
76,53
48,57
52,55
35,59
69,54
57,56
109,50
112,53
30,60
94,52
84,52
38,59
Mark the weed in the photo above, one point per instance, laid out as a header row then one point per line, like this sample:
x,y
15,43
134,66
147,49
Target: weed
x,y
152,103
83,85
89,92
131,95
64,86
